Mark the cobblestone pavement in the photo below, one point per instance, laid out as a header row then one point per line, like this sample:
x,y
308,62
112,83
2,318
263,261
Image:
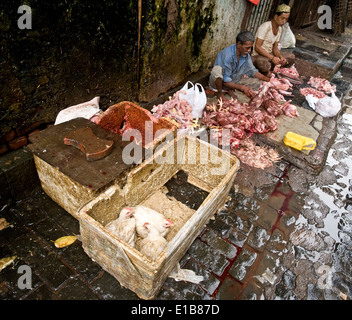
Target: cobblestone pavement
x,y
283,234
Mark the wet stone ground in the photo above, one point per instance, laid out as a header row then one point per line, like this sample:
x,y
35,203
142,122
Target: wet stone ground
x,y
282,235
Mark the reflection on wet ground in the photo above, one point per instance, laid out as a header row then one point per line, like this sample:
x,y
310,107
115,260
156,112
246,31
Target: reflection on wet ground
x,y
323,232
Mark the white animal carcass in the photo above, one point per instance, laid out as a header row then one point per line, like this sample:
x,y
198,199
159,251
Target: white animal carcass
x,y
153,244
124,227
155,219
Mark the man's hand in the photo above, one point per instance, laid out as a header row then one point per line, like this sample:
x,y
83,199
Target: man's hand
x,y
276,60
262,77
283,61
221,96
248,91
233,94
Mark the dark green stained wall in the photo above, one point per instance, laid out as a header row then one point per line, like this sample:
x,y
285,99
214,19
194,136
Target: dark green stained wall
x,y
173,34
76,50
79,49
200,19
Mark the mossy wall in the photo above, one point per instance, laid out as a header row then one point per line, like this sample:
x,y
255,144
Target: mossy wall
x,y
181,37
77,50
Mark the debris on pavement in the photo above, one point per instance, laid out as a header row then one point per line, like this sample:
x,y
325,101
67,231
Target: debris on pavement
x,y
4,262
64,241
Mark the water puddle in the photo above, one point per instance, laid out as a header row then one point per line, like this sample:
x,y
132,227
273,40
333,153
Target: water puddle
x,y
332,196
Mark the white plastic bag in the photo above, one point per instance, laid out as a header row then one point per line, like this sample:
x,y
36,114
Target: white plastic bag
x,y
83,110
185,275
195,96
312,101
328,106
288,39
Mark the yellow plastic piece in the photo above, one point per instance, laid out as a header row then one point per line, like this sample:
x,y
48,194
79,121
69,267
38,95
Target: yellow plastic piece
x,y
299,142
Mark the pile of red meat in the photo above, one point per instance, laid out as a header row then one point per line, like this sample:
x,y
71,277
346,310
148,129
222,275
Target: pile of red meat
x,y
319,88
288,73
175,110
257,116
322,84
241,119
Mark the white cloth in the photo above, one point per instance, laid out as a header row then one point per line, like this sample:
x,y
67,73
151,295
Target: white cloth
x,y
85,110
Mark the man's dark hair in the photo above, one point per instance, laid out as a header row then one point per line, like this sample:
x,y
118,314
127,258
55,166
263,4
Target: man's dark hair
x,y
280,13
245,36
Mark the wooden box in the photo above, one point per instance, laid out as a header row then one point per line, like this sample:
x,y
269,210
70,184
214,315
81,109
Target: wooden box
x,y
207,167
72,181
64,172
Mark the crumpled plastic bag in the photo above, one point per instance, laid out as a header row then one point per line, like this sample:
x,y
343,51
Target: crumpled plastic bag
x,y
327,107
195,95
312,101
85,110
185,275
256,2
288,39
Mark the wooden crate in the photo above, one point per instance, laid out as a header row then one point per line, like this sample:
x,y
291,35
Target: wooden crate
x,y
64,172
208,168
